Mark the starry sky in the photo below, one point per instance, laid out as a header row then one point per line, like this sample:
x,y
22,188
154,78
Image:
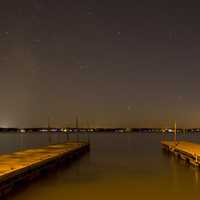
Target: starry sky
x,y
112,63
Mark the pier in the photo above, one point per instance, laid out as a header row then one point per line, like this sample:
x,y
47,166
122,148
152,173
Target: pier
x,y
188,151
24,166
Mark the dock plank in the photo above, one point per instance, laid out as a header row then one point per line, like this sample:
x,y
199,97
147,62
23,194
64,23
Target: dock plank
x,y
19,164
184,148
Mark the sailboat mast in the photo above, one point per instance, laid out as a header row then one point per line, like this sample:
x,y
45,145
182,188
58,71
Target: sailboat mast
x,y
175,132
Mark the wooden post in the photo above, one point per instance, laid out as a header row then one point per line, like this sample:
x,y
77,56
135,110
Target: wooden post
x,y
21,140
88,137
77,136
175,132
165,135
67,136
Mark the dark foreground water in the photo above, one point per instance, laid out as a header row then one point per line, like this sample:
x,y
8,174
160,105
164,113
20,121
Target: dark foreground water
x,y
119,166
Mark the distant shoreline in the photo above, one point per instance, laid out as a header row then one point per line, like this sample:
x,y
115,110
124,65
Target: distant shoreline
x,y
91,130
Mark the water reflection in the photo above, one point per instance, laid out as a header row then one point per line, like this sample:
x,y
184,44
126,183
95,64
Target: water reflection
x,y
119,166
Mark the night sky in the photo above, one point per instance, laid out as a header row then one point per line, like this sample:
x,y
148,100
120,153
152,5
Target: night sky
x,y
112,63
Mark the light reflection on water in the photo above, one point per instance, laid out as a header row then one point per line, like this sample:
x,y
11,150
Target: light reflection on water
x,y
119,166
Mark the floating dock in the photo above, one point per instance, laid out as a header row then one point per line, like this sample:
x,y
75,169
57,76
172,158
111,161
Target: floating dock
x,y
188,151
24,166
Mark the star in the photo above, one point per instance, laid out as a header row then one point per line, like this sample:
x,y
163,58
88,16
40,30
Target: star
x,y
172,35
90,13
83,67
129,108
37,40
180,97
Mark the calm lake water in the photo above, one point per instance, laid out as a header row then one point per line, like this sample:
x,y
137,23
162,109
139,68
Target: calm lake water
x,y
119,166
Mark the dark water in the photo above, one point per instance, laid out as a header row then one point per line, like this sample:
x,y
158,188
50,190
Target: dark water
x,y
119,166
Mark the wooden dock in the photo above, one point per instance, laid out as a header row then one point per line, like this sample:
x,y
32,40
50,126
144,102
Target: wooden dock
x,y
188,151
23,166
